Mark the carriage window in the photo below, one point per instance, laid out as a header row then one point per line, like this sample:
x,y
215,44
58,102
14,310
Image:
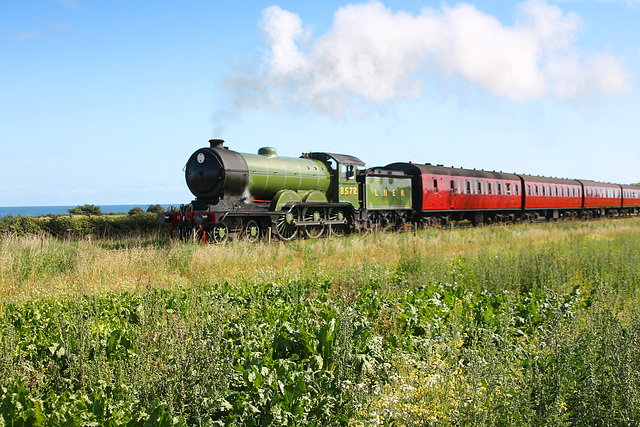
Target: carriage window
x,y
435,185
508,188
468,187
479,187
452,187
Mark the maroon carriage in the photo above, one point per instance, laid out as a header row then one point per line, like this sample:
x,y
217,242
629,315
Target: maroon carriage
x,y
551,197
630,198
442,193
601,198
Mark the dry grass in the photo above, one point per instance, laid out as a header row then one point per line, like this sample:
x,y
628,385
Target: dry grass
x,y
37,266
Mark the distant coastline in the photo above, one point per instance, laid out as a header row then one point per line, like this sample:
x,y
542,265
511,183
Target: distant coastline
x,y
64,210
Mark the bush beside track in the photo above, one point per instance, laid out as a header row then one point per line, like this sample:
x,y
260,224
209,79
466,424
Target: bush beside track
x,y
81,226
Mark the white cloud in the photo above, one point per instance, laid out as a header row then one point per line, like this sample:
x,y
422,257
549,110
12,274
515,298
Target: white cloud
x,y
372,54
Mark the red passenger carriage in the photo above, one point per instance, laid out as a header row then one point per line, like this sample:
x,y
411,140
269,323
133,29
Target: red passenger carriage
x,y
551,197
444,193
631,198
600,197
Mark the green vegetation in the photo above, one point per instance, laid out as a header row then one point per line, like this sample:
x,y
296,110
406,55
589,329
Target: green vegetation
x,y
524,325
85,210
156,209
136,211
75,226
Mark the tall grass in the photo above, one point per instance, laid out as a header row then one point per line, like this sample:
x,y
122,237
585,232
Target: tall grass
x,y
522,258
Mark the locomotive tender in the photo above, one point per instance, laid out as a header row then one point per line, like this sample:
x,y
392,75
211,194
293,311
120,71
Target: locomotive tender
x,y
250,195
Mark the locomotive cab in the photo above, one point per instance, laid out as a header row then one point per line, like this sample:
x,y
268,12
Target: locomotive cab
x,y
344,170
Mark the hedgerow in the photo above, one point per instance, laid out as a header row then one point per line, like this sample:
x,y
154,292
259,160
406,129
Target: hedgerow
x,y
66,226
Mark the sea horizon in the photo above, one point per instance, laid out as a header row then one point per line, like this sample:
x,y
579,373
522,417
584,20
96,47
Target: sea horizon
x,y
64,209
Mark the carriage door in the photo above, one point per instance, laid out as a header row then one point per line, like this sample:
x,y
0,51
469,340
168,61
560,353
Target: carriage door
x,y
348,186
452,193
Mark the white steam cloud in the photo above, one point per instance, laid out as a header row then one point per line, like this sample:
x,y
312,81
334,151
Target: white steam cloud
x,y
375,55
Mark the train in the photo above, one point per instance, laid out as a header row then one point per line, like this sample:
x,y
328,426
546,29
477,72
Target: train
x,y
264,195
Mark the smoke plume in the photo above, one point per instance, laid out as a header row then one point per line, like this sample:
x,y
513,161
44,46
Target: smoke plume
x,y
374,55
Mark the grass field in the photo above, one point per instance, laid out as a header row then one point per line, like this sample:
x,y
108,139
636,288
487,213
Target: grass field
x,y
523,325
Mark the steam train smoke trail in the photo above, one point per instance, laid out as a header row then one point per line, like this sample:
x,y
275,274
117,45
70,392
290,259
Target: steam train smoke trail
x,y
373,55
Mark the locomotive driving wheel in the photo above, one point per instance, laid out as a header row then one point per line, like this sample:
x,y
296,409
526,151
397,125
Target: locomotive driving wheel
x,y
252,231
336,214
313,215
220,232
286,229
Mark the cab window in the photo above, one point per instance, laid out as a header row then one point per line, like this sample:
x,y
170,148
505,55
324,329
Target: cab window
x,y
348,172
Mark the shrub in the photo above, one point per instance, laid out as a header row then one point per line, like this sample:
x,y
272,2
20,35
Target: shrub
x,y
136,211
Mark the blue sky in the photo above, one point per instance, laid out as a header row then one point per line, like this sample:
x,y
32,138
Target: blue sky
x,y
103,102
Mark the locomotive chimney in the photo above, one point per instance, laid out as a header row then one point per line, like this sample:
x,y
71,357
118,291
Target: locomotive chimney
x,y
216,142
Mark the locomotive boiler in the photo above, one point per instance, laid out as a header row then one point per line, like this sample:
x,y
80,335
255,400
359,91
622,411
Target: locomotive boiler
x,y
215,173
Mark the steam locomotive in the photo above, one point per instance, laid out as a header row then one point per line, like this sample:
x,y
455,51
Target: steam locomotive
x,y
240,195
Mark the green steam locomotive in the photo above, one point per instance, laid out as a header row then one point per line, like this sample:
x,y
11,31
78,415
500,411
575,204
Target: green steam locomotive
x,y
253,196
